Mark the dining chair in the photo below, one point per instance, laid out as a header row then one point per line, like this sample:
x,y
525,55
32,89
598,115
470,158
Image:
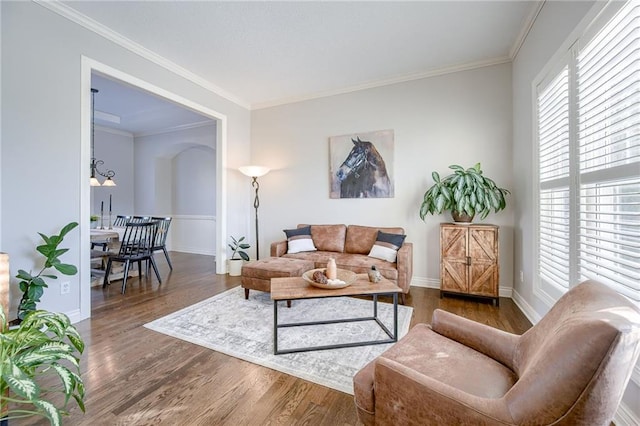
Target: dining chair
x,y
138,219
121,220
161,237
136,246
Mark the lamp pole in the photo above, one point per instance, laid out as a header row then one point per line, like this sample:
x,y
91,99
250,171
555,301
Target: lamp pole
x,y
256,204
254,172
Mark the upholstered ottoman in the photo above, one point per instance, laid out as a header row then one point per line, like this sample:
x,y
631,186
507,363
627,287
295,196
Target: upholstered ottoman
x,y
257,274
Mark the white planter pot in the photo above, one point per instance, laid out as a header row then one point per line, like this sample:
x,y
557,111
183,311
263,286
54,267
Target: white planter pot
x,y
235,267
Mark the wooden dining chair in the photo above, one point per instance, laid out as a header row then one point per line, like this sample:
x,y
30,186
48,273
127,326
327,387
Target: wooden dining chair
x,y
161,237
136,246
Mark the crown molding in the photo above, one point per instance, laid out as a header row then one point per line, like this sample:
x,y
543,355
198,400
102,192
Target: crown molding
x,y
526,28
113,131
386,82
73,15
179,128
69,13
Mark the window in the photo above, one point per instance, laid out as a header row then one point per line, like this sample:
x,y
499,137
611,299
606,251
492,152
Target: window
x,y
588,134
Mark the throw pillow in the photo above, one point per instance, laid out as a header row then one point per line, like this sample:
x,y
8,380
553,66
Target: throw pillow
x,y
386,246
299,240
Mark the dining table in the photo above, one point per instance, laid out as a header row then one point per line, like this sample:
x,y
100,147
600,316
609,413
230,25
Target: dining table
x,y
115,233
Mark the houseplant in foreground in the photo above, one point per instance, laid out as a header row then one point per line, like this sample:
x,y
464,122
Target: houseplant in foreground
x,y
38,360
32,286
238,255
465,192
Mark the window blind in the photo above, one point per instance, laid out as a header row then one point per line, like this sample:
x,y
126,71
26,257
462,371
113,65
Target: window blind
x,y
588,134
553,156
608,85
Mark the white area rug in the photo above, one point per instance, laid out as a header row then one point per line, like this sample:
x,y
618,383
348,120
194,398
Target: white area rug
x,y
242,328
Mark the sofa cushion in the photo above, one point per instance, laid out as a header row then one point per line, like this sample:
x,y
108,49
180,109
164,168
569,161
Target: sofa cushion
x,y
328,237
299,240
386,246
360,239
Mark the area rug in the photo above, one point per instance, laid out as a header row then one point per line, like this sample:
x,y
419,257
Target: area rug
x,y
242,328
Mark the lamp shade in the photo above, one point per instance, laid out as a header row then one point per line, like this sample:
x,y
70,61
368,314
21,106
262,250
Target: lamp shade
x,y
109,182
94,181
254,171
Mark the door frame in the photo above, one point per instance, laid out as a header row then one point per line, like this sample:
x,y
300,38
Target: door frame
x,y
89,66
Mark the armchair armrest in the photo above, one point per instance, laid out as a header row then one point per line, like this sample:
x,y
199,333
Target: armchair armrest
x,y
404,263
278,248
405,396
492,342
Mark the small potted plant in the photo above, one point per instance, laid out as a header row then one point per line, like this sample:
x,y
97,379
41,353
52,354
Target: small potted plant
x,y
238,255
465,192
94,220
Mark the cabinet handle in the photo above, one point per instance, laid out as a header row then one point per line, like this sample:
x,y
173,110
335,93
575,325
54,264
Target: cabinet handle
x,y
468,260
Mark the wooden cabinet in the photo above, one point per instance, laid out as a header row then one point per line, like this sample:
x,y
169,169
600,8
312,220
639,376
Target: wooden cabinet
x,y
469,260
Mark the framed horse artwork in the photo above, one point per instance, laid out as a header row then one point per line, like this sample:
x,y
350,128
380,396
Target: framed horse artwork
x,y
361,165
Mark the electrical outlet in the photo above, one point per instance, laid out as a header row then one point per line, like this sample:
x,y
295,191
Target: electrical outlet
x,y
521,277
65,287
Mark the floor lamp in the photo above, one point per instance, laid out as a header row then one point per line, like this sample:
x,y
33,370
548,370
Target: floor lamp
x,y
254,172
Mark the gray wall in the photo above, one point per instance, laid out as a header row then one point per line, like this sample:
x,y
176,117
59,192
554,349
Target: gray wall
x,y
116,150
42,169
175,172
459,118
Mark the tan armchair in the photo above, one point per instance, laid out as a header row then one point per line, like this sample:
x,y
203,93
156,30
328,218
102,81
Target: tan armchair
x,y
569,369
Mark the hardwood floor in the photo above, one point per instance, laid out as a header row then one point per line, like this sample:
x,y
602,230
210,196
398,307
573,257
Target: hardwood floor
x,y
135,376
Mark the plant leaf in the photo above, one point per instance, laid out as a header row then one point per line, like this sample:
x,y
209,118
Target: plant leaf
x,y
49,411
66,269
18,381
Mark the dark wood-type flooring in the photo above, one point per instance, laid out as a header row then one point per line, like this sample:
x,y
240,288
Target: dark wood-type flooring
x,y
135,376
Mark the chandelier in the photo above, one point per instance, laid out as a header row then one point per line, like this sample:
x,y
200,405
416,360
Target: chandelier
x,y
109,174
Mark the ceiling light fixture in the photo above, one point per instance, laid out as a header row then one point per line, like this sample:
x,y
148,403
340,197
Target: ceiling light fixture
x,y
109,174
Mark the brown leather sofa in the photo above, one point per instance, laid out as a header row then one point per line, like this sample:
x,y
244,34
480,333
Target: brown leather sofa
x,y
571,368
350,246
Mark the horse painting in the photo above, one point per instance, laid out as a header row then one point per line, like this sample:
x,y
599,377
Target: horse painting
x,y
363,174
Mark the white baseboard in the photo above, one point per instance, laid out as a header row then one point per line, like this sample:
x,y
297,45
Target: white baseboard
x,y
192,250
435,283
526,308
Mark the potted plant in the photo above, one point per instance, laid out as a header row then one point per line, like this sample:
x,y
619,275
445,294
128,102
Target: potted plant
x,y
465,192
43,348
94,220
238,255
32,286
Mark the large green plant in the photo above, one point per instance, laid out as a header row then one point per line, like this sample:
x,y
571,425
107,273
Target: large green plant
x,y
40,352
32,286
465,191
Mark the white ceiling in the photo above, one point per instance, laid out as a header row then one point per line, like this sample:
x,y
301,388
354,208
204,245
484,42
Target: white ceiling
x,y
266,53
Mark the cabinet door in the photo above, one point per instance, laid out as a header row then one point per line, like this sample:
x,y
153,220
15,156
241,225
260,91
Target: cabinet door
x,y
483,271
453,264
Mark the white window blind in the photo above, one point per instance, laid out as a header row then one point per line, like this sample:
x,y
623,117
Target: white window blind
x,y
588,132
608,83
553,155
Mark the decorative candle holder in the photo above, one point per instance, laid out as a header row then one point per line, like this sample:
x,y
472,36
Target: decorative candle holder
x,y
110,225
101,221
